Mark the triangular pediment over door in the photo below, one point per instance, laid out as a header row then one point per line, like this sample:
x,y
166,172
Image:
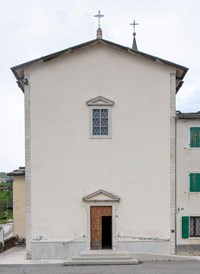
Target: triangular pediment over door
x,y
101,196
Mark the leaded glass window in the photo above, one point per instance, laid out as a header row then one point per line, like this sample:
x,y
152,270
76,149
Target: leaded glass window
x,y
100,117
100,122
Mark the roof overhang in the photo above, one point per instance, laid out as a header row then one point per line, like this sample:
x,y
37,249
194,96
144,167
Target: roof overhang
x,y
188,116
18,71
17,172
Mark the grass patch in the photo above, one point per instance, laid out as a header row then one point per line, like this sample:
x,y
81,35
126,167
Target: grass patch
x,y
6,211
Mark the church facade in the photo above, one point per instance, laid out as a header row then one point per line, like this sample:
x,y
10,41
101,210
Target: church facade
x,y
100,150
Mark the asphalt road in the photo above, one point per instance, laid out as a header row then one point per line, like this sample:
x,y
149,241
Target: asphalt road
x,y
177,267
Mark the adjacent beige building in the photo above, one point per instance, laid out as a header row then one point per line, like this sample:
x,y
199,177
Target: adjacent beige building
x,y
188,183
100,150
18,176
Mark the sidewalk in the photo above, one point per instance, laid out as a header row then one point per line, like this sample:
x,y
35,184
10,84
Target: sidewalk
x,y
17,255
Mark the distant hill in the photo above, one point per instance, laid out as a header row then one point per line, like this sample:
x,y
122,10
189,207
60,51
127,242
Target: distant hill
x,y
4,177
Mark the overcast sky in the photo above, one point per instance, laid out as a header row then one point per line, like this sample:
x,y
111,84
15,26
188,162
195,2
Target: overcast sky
x,y
30,29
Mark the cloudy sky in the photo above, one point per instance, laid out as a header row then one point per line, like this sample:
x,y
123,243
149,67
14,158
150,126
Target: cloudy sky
x,y
33,28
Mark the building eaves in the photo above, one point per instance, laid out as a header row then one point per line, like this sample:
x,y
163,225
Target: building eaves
x,y
17,172
48,58
18,71
187,116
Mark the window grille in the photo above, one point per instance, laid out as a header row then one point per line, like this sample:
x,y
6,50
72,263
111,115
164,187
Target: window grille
x,y
194,226
100,121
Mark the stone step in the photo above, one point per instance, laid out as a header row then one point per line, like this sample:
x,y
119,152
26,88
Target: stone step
x,y
101,262
96,258
102,257
103,253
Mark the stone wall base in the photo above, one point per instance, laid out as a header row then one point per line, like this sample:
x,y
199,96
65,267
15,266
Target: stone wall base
x,y
153,247
188,250
62,250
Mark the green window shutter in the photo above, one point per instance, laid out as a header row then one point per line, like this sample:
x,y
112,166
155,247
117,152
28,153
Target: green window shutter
x,y
185,227
194,182
195,137
198,183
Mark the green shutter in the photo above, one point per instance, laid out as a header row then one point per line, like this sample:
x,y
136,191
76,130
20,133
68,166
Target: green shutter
x,y
194,182
198,183
185,227
195,137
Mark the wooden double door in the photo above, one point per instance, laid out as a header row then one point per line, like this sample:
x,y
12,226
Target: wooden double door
x,y
101,227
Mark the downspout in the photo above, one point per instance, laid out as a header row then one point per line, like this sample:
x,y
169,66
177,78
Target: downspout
x,y
175,213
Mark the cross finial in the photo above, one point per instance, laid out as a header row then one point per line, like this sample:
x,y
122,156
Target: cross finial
x,y
99,15
134,24
134,46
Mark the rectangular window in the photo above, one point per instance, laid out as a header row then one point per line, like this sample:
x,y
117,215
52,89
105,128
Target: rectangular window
x,y
195,137
190,227
194,226
100,112
100,122
194,182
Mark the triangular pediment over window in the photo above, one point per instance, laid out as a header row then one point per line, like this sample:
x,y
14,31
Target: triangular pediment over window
x,y
100,101
101,196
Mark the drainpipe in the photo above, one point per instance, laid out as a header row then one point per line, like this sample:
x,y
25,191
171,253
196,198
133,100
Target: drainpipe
x,y
175,213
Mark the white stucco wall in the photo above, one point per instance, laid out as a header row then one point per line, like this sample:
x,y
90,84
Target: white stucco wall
x,y
66,164
188,161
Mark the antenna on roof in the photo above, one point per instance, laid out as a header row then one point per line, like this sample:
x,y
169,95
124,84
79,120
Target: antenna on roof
x,y
134,46
99,30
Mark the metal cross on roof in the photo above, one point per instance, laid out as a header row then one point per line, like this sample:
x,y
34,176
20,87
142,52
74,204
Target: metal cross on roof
x,y
99,15
134,24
